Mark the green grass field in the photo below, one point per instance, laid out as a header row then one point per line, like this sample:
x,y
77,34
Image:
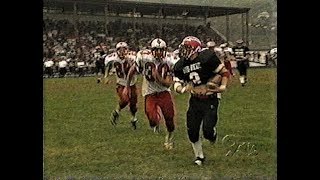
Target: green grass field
x,y
81,143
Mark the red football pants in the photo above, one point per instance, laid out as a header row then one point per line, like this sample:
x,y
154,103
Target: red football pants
x,y
162,101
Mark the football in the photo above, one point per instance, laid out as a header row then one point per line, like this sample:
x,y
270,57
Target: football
x,y
214,82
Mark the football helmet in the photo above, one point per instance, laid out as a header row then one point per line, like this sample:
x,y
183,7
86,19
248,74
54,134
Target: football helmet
x,y
240,43
158,48
189,46
211,44
122,49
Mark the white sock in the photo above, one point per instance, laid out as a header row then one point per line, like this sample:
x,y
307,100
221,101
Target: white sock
x,y
219,95
134,118
169,137
241,79
197,149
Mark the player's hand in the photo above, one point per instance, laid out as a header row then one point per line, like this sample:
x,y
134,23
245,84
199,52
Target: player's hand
x,y
217,89
189,87
200,90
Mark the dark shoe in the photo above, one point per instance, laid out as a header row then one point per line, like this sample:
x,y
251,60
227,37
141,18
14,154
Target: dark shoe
x,y
114,117
134,123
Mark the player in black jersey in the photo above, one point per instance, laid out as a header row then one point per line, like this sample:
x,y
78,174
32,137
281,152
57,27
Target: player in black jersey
x,y
242,57
100,66
196,72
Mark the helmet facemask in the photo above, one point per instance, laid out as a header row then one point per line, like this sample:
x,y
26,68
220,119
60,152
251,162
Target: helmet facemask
x,y
159,53
187,50
158,48
122,52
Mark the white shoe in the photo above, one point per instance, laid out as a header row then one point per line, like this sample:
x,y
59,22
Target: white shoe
x,y
168,144
199,161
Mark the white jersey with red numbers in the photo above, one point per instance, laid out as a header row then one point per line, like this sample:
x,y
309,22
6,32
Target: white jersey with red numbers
x,y
122,67
146,62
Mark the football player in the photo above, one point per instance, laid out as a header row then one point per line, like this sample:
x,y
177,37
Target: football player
x,y
198,72
157,79
48,64
122,64
240,52
99,57
226,56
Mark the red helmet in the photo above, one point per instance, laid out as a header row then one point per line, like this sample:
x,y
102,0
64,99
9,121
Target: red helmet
x,y
189,46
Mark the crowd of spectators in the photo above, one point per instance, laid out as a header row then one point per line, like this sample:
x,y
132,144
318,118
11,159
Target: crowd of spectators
x,y
82,41
74,47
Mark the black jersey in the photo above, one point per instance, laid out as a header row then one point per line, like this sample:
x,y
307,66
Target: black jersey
x,y
199,70
240,52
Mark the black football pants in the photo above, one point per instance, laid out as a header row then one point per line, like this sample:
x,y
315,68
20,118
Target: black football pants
x,y
202,109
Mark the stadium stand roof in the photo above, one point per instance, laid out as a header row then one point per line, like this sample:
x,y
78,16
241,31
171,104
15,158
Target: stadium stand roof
x,y
148,8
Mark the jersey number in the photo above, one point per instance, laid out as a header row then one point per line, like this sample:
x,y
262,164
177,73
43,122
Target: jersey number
x,y
121,69
162,69
194,76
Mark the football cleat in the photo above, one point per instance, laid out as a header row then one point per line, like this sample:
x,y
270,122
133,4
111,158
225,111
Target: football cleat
x,y
156,129
114,117
168,144
199,161
134,123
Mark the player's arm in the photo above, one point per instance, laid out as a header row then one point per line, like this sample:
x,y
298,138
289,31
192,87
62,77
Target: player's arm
x,y
108,67
166,81
136,67
180,87
132,71
224,73
247,55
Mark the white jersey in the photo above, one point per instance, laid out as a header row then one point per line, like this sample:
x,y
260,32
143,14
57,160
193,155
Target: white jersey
x,y
145,64
81,64
228,50
122,67
63,64
49,63
273,53
173,57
